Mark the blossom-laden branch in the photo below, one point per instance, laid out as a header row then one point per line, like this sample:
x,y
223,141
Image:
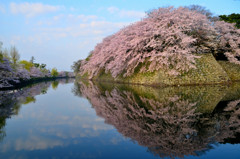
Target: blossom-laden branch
x,y
169,38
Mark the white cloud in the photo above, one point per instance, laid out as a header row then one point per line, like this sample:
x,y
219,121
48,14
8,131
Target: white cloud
x,y
132,14
32,9
126,13
70,19
86,18
112,9
2,9
89,29
73,9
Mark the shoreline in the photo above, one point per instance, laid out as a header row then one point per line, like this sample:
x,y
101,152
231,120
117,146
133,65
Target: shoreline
x,y
31,81
158,85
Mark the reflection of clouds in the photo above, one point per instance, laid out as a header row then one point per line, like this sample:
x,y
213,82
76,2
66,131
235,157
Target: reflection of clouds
x,y
56,132
172,121
116,140
52,123
77,127
31,143
48,119
63,127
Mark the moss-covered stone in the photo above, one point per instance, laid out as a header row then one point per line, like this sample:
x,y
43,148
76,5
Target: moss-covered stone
x,y
208,71
233,70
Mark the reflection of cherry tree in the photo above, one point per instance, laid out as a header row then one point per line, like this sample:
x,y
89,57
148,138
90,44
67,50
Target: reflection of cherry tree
x,y
12,100
170,127
233,121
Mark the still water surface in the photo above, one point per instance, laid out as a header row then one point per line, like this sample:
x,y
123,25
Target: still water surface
x,y
67,119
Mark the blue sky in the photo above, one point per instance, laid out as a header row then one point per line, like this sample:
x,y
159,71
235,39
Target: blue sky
x,y
58,32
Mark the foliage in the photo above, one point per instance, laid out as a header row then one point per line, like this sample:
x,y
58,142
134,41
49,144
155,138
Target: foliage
x,y
65,74
62,74
232,18
7,74
204,11
55,84
76,66
54,72
27,65
36,65
89,56
71,74
168,38
30,100
42,66
36,72
23,74
46,72
6,53
32,59
13,72
14,55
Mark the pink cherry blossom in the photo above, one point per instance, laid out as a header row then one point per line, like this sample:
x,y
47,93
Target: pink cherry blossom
x,y
171,38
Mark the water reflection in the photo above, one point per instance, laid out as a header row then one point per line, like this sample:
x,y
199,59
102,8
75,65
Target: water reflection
x,y
12,100
170,122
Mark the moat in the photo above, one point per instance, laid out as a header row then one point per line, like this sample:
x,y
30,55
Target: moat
x,y
81,119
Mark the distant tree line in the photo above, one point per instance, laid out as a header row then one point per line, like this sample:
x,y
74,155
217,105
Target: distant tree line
x,y
232,18
13,70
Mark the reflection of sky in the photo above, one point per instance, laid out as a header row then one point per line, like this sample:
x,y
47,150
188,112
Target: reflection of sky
x,y
48,122
64,128
61,125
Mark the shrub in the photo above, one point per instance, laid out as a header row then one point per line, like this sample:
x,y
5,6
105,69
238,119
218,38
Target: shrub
x,y
54,72
27,65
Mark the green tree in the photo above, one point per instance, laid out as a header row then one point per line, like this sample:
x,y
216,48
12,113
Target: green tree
x,y
42,66
54,72
36,65
76,66
232,18
14,55
32,59
27,65
3,52
6,53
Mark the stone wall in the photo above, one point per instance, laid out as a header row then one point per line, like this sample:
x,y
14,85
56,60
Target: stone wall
x,y
208,71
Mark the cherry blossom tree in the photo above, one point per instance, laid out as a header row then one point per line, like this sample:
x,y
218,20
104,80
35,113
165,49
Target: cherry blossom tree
x,y
36,72
7,75
170,38
23,74
46,72
62,74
